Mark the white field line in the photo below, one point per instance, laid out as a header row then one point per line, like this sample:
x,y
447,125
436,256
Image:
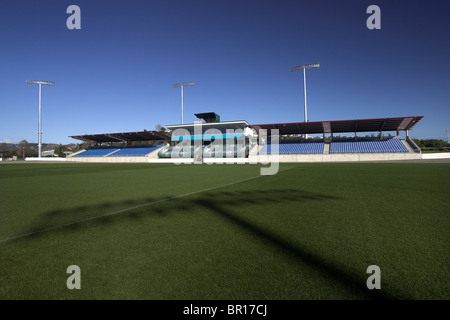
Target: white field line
x,y
123,210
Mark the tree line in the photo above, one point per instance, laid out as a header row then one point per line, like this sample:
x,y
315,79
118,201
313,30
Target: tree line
x,y
24,149
432,144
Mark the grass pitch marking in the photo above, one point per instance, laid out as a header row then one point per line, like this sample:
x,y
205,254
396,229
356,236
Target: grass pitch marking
x,y
123,210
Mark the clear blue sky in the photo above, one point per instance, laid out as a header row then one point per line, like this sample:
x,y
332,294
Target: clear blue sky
x,y
116,73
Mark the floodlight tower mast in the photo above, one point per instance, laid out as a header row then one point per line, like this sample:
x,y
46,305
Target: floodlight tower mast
x,y
40,83
304,67
183,84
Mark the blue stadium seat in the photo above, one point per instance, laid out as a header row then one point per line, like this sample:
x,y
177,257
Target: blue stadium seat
x,y
134,152
95,152
368,146
314,147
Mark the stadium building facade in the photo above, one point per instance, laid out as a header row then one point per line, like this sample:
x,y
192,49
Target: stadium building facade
x,y
212,140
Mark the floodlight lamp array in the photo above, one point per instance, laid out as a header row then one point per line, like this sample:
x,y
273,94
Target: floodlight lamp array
x,y
183,84
48,83
306,66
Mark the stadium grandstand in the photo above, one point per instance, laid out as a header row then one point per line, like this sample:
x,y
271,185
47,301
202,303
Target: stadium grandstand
x,y
135,146
208,137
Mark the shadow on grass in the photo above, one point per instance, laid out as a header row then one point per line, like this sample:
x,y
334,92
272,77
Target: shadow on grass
x,y
221,203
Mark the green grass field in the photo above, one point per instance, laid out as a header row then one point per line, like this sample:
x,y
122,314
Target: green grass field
x,y
146,231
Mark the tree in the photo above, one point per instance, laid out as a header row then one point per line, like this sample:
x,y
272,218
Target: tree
x,y
83,146
433,144
59,151
23,149
4,150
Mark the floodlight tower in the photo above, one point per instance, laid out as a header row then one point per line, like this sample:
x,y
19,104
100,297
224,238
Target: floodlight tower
x,y
40,83
304,67
183,84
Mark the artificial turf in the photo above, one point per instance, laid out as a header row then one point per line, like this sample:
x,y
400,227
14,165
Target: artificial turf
x,y
163,231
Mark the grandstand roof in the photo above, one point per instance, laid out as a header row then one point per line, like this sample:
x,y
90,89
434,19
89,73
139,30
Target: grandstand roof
x,y
122,136
224,124
341,126
315,127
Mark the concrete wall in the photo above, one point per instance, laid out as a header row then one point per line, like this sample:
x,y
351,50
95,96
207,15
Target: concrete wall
x,y
108,159
335,157
269,158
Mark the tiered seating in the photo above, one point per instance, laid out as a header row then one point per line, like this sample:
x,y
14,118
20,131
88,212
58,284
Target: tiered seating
x,y
314,147
95,152
134,152
207,152
225,152
169,152
368,146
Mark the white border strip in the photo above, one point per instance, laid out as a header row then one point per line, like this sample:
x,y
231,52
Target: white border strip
x,y
172,160
443,155
49,159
